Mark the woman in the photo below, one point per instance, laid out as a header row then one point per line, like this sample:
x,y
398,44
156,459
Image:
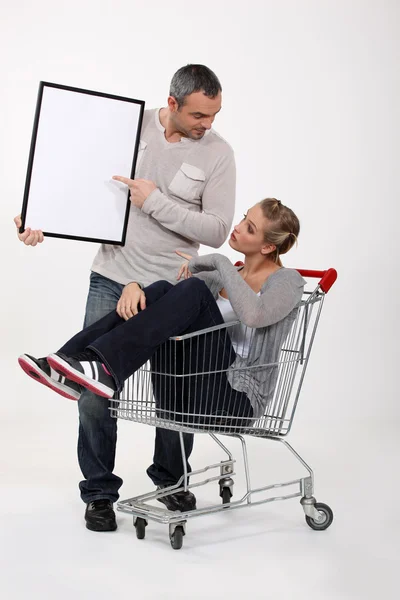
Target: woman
x,y
262,294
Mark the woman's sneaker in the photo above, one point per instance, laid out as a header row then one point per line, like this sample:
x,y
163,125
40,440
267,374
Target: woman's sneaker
x,y
84,370
41,371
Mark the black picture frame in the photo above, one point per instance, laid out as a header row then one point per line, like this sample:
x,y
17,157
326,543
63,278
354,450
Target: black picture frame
x,y
31,161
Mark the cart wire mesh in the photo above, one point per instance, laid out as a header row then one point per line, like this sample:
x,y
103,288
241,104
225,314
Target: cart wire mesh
x,y
213,381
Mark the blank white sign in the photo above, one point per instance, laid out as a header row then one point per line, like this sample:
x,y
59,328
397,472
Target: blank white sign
x,y
80,140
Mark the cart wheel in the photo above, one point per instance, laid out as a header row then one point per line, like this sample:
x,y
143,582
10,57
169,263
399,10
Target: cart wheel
x,y
326,513
176,538
140,526
226,495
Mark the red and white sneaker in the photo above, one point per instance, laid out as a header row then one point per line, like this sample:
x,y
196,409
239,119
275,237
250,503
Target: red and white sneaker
x,y
88,373
39,370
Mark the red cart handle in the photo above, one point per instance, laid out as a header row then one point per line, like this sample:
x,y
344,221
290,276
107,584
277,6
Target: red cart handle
x,y
328,277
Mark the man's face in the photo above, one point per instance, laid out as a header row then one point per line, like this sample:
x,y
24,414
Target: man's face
x,y
196,115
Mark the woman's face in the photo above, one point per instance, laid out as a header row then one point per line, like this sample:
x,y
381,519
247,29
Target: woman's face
x,y
248,235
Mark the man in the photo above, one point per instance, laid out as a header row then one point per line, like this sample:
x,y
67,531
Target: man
x,y
183,196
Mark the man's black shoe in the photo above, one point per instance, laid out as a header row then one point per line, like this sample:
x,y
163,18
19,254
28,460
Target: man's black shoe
x,y
182,501
100,516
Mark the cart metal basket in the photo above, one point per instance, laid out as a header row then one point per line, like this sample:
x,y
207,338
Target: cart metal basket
x,y
196,383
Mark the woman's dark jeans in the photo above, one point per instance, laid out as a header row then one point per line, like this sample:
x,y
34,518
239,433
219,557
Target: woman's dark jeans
x,y
124,346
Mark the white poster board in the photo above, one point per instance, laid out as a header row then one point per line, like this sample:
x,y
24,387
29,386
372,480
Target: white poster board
x,y
80,140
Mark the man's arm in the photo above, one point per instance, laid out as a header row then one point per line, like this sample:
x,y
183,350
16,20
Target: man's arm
x,y
211,226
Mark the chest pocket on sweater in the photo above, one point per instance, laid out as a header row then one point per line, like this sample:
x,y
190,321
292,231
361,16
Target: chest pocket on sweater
x,y
188,182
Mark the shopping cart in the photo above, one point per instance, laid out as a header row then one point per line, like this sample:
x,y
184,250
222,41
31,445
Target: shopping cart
x,y
175,390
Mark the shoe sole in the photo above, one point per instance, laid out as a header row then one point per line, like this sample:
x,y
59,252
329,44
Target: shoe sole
x,y
182,509
93,527
65,369
31,369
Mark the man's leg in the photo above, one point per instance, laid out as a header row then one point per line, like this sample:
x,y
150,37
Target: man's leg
x,y
167,467
97,429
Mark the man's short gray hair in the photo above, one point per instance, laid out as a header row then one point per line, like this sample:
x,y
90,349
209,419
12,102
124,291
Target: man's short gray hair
x,y
194,78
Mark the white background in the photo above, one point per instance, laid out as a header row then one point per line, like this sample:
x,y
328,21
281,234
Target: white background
x,y
311,107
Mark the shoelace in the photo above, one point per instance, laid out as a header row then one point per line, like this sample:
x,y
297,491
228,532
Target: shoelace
x,y
100,504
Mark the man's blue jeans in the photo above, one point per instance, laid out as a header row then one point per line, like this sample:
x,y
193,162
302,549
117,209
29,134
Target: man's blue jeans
x,y
98,430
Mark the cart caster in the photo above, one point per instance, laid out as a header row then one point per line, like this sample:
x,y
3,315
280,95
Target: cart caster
x,y
325,519
226,495
140,526
225,489
176,538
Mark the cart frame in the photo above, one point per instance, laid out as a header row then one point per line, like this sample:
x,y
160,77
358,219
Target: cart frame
x,y
273,425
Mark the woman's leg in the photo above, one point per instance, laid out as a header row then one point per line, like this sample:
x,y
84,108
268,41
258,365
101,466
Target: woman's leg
x,y
187,306
84,338
208,397
225,408
97,428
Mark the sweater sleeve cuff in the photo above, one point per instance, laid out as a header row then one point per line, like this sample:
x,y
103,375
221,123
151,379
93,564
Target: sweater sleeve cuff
x,y
205,262
150,204
192,264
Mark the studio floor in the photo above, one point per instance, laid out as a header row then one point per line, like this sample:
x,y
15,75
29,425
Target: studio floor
x,y
266,551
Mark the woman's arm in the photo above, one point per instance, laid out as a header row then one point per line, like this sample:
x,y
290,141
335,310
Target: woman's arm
x,y
279,295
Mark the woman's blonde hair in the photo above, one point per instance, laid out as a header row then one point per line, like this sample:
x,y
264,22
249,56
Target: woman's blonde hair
x,y
283,229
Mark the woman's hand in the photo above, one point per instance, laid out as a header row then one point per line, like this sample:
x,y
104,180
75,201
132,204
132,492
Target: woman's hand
x,y
131,298
184,269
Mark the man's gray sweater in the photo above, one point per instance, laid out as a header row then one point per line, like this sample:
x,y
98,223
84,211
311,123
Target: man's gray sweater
x,y
193,204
